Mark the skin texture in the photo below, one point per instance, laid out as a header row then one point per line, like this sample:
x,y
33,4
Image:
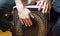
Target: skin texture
x,y
45,5
25,14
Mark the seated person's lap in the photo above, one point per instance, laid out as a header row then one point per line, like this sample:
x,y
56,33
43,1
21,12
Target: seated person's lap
x,y
6,4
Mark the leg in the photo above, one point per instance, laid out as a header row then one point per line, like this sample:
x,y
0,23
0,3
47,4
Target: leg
x,y
56,28
2,2
5,7
6,4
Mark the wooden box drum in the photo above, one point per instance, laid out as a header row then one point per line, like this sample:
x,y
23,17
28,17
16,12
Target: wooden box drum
x,y
37,29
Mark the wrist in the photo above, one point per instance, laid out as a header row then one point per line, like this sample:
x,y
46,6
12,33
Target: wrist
x,y
18,6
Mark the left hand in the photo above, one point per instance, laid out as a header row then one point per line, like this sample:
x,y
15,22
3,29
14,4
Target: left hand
x,y
45,5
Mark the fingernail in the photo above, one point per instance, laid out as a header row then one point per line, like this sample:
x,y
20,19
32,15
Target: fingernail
x,y
42,12
32,16
26,25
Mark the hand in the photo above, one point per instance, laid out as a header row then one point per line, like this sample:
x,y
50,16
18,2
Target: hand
x,y
24,15
45,5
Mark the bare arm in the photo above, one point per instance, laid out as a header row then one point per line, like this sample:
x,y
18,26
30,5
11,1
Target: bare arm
x,y
19,3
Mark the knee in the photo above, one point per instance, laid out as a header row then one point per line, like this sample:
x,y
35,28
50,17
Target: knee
x,y
56,30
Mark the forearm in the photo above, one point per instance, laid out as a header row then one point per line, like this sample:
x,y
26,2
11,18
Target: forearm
x,y
19,3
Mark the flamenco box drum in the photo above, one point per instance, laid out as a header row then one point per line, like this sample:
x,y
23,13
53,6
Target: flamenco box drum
x,y
37,29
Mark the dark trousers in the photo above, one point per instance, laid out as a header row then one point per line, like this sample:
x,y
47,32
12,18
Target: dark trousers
x,y
55,17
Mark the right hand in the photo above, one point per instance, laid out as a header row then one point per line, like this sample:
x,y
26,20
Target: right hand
x,y
24,15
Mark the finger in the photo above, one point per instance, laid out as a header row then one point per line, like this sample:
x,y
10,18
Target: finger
x,y
38,3
40,6
24,20
44,8
49,8
30,22
31,15
21,21
27,22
